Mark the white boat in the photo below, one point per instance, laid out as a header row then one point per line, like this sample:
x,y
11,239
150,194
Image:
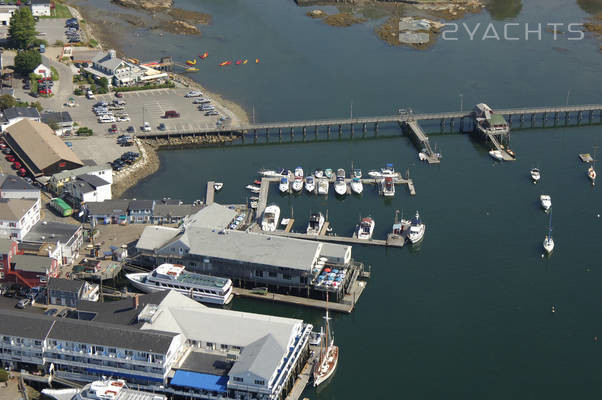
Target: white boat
x,y
106,389
591,174
340,186
365,229
253,188
202,288
328,355
299,172
328,173
417,229
535,175
357,173
318,173
422,155
546,201
284,184
548,242
310,184
375,174
271,215
218,186
388,170
496,154
315,224
270,173
323,186
357,186
388,187
298,184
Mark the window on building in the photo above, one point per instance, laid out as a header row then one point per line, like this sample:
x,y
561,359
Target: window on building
x,y
273,275
259,274
259,382
237,379
224,347
286,276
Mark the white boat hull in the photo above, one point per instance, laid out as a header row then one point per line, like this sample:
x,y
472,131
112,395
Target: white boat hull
x,y
548,245
297,185
283,188
357,187
138,281
418,236
340,188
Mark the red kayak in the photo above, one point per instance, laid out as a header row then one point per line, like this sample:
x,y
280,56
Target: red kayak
x,y
204,55
238,62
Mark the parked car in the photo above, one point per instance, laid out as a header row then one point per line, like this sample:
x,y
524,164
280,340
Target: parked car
x,y
131,129
146,127
50,312
162,126
119,95
171,114
193,93
23,303
113,128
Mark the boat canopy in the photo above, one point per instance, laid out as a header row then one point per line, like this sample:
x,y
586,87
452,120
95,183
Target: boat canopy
x,y
283,180
389,165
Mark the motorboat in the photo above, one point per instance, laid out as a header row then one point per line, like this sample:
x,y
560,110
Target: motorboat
x,y
218,186
388,187
202,288
299,172
535,175
496,154
269,221
388,170
328,173
270,173
253,188
591,174
546,201
298,184
548,242
323,186
310,184
375,174
284,185
245,61
340,186
357,186
315,224
318,173
365,229
357,173
417,229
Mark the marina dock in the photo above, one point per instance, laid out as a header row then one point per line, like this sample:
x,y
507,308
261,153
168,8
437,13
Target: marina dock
x,y
210,194
423,140
389,242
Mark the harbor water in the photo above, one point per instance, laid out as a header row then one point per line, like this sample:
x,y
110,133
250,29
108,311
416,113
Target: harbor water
x,y
469,312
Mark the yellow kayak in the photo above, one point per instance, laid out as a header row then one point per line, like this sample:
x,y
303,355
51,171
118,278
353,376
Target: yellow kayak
x,y
191,62
191,69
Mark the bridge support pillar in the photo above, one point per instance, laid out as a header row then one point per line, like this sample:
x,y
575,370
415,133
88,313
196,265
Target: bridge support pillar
x,y
545,118
532,120
292,133
555,118
510,120
316,131
442,122
340,130
376,127
451,123
567,117
304,131
591,116
365,128
351,126
328,131
579,117
522,119
255,133
280,133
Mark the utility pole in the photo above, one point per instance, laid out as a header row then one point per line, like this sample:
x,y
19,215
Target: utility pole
x,y
461,102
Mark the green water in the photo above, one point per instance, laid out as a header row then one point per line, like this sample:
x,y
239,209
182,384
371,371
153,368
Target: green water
x,y
469,313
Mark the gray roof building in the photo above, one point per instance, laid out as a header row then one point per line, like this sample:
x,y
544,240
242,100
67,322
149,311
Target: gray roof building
x,y
5,245
108,207
26,325
174,210
141,205
65,285
213,216
60,118
44,231
260,358
21,112
30,263
13,182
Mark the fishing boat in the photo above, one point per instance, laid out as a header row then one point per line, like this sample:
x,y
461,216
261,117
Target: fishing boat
x,y
318,173
535,175
496,154
271,215
191,62
315,224
548,242
202,288
328,173
546,201
310,184
191,69
388,170
340,186
323,186
328,355
284,185
218,186
357,173
253,188
365,229
388,187
417,229
357,186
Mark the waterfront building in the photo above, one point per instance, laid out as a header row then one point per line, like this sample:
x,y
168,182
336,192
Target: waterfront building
x,y
162,342
165,213
42,71
32,270
62,119
141,211
112,389
12,115
56,181
6,13
41,152
107,212
65,239
15,187
17,217
85,188
69,292
8,248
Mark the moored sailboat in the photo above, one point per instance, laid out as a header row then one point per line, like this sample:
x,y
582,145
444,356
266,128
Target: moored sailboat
x,y
328,356
548,242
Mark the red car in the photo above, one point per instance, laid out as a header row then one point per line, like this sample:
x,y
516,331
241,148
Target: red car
x,y
10,158
16,165
113,128
118,95
21,172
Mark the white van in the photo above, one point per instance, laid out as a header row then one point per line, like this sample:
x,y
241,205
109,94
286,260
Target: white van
x,y
90,95
106,118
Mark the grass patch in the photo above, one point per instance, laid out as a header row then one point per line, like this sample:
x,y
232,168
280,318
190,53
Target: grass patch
x,y
92,43
60,11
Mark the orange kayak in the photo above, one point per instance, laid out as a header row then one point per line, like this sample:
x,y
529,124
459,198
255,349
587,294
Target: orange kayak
x,y
223,64
204,55
257,61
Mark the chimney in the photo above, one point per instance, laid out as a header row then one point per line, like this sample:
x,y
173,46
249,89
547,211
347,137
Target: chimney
x,y
135,301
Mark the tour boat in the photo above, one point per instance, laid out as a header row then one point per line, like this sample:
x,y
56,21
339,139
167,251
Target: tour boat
x,y
388,170
298,184
328,355
365,229
340,186
218,186
388,187
203,288
318,173
271,214
546,201
417,229
328,173
496,154
299,172
284,184
548,242
357,186
323,186
535,175
310,184
253,189
315,224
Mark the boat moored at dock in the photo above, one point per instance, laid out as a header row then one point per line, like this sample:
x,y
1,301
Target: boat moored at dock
x,y
284,185
417,229
270,218
315,224
388,187
545,201
365,229
340,186
328,355
357,186
310,184
323,186
202,288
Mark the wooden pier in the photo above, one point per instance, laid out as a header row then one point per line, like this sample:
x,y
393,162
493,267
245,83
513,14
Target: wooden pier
x,y
210,194
423,140
389,242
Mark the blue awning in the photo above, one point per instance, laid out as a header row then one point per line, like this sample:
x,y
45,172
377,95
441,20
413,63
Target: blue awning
x,y
197,380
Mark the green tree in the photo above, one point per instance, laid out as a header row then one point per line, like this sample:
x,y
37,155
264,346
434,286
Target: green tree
x,y
104,82
22,30
7,101
26,61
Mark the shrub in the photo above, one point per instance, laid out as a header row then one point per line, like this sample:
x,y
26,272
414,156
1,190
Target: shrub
x,y
84,131
3,375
